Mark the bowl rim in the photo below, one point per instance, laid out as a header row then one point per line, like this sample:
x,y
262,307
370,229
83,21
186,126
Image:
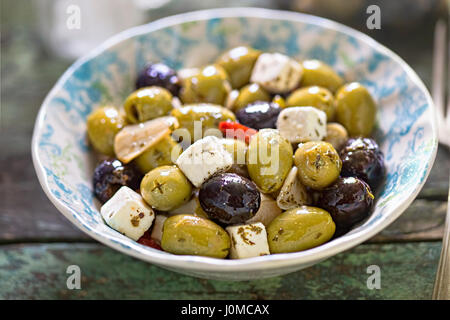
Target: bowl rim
x,y
199,263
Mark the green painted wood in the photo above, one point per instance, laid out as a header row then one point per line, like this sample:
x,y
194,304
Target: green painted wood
x,y
39,272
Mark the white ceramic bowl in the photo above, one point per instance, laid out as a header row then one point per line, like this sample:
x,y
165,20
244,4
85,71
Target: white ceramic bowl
x,y
64,164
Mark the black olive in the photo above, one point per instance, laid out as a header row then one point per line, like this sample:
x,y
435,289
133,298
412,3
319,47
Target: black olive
x,y
259,115
229,198
349,200
362,158
159,74
110,175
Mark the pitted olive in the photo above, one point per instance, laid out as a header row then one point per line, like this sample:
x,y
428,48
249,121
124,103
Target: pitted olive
x,y
269,159
355,109
318,164
148,103
238,63
314,96
210,85
166,188
193,235
317,73
300,229
102,126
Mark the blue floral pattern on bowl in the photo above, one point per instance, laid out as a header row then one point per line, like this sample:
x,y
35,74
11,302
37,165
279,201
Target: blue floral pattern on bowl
x,y
406,127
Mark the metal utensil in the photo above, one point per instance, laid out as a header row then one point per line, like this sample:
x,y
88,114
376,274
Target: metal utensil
x,y
439,80
441,54
442,283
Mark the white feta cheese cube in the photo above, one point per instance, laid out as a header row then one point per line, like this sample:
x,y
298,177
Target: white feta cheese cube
x,y
204,158
302,124
276,72
293,193
127,213
249,240
158,228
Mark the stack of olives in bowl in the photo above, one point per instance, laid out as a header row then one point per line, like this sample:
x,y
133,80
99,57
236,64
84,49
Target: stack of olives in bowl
x,y
255,154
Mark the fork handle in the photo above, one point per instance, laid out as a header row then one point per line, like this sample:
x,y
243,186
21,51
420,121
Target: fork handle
x,y
442,285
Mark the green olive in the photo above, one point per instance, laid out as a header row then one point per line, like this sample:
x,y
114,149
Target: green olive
x,y
279,100
317,73
356,110
300,229
269,159
165,188
318,164
193,235
165,152
238,63
210,85
314,96
148,103
102,126
209,115
250,93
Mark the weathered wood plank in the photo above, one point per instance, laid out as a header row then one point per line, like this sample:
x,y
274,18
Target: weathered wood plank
x,y
39,272
423,220
437,186
26,212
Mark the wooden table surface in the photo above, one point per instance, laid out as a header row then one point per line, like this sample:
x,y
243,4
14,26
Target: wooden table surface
x,y
37,243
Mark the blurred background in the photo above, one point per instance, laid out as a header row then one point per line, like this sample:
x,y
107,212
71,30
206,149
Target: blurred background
x,y
103,18
39,42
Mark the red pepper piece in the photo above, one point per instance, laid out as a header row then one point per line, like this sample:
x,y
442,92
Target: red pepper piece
x,y
146,240
236,130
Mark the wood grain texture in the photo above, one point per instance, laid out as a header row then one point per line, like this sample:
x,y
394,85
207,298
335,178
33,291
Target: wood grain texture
x,y
39,272
436,186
